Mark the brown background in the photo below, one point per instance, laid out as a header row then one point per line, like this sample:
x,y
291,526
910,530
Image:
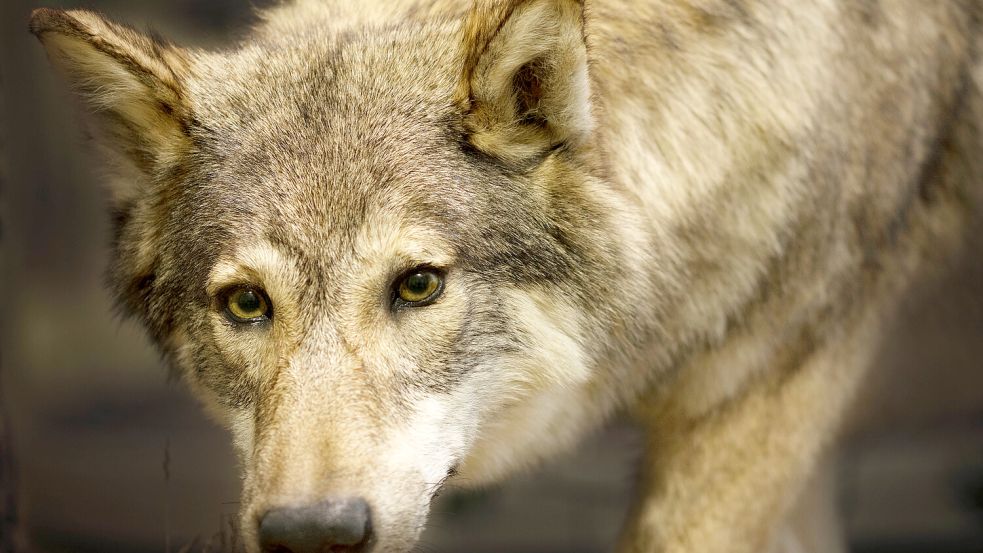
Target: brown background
x,y
92,412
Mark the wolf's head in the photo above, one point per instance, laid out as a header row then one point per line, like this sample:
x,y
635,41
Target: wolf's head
x,y
382,255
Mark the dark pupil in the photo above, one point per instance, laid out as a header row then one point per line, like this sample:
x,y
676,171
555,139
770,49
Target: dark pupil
x,y
248,301
418,283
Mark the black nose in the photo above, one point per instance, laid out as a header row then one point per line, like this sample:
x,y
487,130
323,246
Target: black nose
x,y
335,526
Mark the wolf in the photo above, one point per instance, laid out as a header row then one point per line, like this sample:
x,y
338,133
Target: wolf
x,y
398,245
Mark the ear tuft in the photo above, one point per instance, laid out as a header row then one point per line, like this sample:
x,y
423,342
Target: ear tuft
x,y
524,85
132,83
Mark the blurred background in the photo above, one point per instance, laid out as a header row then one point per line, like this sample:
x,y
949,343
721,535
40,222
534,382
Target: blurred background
x,y
110,456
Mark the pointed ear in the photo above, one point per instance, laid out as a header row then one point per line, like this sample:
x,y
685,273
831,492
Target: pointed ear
x,y
524,84
132,84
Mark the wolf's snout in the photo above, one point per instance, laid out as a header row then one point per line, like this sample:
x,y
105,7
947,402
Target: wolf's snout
x,y
336,525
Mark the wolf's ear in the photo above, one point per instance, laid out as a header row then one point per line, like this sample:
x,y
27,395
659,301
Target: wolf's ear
x,y
132,84
524,84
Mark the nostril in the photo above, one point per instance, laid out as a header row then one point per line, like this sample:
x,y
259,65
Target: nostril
x,y
335,526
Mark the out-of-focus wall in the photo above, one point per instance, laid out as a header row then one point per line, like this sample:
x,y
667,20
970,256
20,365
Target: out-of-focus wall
x,y
92,411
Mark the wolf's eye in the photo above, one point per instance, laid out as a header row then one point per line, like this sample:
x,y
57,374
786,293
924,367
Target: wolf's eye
x,y
419,287
246,305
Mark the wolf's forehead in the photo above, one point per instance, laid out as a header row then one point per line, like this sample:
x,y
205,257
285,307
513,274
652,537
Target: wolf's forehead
x,y
331,217
321,134
359,85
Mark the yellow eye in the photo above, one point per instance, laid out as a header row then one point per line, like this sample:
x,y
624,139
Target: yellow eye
x,y
420,287
247,305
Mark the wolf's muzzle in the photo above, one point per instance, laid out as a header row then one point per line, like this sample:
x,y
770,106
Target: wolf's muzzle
x,y
336,525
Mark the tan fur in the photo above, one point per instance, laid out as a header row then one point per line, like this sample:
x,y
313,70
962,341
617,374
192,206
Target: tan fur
x,y
700,211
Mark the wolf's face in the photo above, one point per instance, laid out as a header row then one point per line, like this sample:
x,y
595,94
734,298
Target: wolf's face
x,y
379,256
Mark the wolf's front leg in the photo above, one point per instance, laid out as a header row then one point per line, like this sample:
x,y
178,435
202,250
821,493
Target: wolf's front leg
x,y
726,481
